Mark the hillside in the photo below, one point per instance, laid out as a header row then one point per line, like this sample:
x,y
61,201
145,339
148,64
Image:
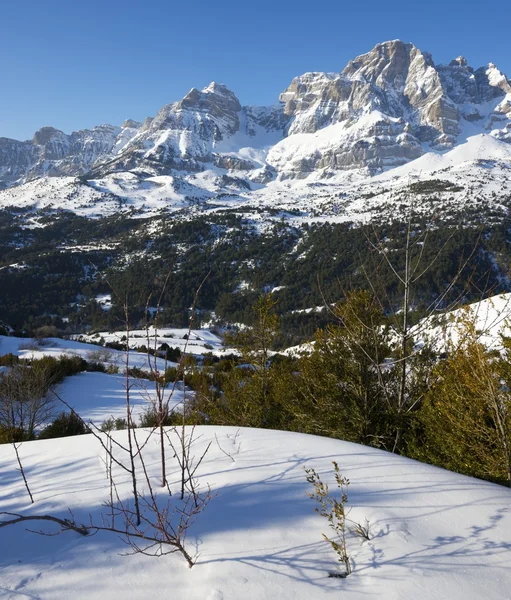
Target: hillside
x,y
434,534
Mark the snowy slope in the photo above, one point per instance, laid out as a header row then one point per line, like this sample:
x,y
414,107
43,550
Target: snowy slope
x,y
434,534
28,349
491,318
475,175
200,341
97,397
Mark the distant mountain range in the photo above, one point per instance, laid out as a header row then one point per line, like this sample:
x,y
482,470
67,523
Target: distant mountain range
x,y
386,107
333,139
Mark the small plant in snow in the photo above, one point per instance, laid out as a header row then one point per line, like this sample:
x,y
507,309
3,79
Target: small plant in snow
x,y
334,510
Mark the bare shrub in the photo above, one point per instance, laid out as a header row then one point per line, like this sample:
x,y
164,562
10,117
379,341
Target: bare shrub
x,y
334,510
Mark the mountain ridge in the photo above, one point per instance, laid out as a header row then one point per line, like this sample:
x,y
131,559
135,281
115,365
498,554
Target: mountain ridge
x,y
385,109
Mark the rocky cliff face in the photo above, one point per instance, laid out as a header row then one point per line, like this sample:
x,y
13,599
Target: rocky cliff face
x,y
53,153
203,128
385,108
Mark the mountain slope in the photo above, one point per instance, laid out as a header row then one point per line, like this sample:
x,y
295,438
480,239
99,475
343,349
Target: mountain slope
x,y
473,177
388,107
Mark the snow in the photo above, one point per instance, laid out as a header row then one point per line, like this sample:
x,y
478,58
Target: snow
x,y
495,77
97,397
300,146
491,318
476,148
200,341
105,301
245,145
434,534
480,166
27,348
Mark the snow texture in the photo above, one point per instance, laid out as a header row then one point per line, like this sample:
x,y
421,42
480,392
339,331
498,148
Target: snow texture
x,y
434,534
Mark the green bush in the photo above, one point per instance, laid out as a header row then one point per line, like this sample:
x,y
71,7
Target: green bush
x,y
11,434
111,424
8,360
96,367
172,354
64,425
150,418
138,373
56,369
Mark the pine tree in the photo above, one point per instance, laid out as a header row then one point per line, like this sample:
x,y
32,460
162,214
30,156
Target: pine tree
x,y
344,381
253,389
467,412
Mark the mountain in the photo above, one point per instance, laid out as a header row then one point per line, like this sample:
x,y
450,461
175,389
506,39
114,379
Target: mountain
x,y
265,196
53,153
205,128
386,108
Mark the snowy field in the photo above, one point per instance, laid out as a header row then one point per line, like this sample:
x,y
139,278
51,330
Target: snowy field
x,y
199,341
434,534
97,397
29,349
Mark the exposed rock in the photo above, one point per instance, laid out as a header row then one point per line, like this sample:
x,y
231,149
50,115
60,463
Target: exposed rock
x,y
233,163
399,85
131,124
386,107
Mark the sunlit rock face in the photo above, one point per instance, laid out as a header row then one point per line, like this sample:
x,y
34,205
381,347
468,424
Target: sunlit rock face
x,y
385,108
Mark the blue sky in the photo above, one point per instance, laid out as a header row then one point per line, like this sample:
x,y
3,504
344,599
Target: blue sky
x,y
76,63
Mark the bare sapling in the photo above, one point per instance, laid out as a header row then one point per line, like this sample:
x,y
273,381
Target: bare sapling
x,y
164,395
162,402
16,447
153,525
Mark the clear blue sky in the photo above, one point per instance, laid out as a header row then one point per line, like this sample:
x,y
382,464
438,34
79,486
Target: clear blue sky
x,y
78,63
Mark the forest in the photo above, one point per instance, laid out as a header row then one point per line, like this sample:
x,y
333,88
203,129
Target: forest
x,y
371,370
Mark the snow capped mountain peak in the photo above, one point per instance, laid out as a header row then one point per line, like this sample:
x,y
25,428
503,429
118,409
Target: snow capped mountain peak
x,y
460,61
387,107
497,79
219,89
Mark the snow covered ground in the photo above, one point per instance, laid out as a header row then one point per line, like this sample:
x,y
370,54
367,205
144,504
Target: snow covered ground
x,y
200,341
434,534
491,318
97,397
473,175
30,349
